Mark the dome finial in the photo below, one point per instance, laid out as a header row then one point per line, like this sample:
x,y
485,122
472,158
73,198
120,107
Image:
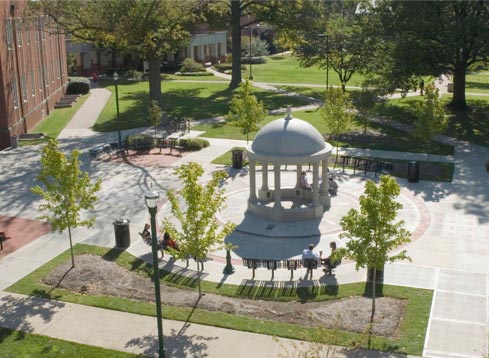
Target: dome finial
x,y
288,117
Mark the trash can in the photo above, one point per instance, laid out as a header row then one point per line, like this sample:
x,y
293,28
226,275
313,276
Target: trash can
x,y
413,172
122,235
14,141
237,158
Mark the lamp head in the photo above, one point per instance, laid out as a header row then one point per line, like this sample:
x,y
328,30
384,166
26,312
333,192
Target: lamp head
x,y
116,76
151,198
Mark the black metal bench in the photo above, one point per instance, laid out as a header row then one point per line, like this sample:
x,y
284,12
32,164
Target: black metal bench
x,y
252,264
310,265
292,265
113,149
3,238
173,144
329,266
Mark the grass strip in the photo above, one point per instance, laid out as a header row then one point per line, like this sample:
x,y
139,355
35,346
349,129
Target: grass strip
x,y
16,344
412,330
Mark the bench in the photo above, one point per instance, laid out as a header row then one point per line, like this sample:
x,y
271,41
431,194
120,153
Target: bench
x,y
310,264
173,143
113,149
95,151
31,136
329,268
292,265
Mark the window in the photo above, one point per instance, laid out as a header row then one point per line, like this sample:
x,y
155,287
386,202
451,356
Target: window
x,y
33,84
18,27
40,78
10,34
23,88
41,28
15,94
36,31
46,76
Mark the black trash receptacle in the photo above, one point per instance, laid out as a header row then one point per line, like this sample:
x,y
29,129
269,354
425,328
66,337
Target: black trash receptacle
x,y
237,158
122,235
413,172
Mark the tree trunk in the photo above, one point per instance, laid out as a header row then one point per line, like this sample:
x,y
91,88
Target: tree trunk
x,y
236,43
458,99
155,81
374,282
71,247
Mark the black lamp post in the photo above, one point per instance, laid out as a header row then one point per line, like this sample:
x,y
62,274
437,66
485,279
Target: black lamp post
x,y
116,78
327,58
151,201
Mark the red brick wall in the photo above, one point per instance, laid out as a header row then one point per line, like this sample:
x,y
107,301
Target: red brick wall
x,y
33,69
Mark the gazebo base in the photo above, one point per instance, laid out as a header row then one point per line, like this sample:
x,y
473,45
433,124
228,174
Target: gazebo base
x,y
281,214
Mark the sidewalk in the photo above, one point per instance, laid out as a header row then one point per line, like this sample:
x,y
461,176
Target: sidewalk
x,y
449,256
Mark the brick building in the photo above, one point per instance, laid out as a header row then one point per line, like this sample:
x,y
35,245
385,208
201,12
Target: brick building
x,y
33,71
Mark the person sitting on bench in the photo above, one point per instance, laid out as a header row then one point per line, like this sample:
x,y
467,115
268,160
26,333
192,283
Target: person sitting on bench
x,y
167,243
304,182
330,265
146,234
332,186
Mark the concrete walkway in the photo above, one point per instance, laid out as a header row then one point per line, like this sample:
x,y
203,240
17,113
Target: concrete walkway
x,y
450,250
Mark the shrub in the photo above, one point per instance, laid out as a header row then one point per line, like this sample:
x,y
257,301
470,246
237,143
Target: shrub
x,y
254,60
193,74
190,65
78,85
133,138
194,143
223,67
134,75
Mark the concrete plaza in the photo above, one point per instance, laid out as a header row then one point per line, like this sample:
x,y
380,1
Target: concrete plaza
x,y
449,251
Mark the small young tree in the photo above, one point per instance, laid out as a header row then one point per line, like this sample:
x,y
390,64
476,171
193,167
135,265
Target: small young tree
x,y
366,101
154,114
66,191
199,231
372,231
431,116
245,111
337,112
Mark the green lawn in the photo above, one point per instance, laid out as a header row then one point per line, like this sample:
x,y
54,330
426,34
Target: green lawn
x,y
15,344
470,125
396,140
191,99
57,120
411,332
477,82
287,69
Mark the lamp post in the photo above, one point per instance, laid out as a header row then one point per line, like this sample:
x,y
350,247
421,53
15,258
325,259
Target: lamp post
x,y
327,58
116,78
251,72
151,201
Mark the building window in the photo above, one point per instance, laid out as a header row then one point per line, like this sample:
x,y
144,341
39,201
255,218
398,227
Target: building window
x,y
10,34
15,94
33,85
46,76
23,88
41,28
18,27
40,78
37,28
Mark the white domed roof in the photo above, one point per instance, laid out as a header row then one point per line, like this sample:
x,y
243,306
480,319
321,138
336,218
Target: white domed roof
x,y
288,137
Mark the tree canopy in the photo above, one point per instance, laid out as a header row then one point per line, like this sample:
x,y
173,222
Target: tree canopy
x,y
65,190
150,28
432,38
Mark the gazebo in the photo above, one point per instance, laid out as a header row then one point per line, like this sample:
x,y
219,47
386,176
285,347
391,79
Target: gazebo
x,y
288,141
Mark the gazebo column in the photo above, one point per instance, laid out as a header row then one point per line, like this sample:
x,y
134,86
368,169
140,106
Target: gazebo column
x,y
264,192
324,199
318,208
315,184
298,175
252,197
277,206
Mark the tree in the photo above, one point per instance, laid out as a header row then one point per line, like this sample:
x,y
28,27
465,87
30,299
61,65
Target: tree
x,y
434,38
154,114
151,28
431,118
199,232
337,112
66,191
372,231
245,111
259,48
366,102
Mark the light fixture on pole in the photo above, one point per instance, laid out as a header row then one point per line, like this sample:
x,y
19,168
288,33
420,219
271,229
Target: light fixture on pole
x,y
151,202
116,78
